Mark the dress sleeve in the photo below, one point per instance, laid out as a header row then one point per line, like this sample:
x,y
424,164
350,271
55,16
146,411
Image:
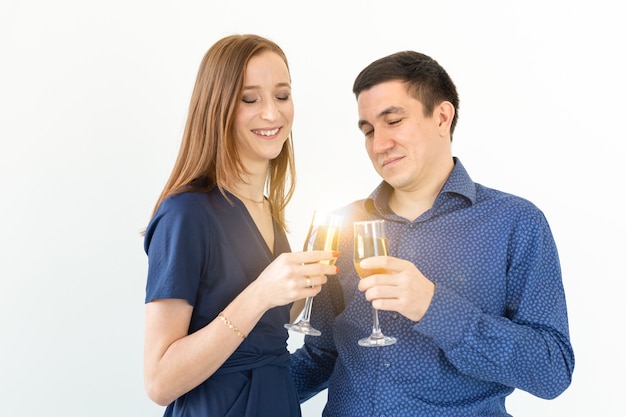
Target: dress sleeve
x,y
176,245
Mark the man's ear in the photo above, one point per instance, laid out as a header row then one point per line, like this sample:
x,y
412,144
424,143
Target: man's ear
x,y
444,113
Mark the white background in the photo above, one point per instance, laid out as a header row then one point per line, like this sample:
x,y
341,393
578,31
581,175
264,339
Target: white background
x,y
93,99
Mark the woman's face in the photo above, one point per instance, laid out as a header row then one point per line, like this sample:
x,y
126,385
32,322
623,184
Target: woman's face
x,y
264,115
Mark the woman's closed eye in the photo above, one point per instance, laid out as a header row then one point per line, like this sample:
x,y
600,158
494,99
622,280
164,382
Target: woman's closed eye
x,y
256,99
249,99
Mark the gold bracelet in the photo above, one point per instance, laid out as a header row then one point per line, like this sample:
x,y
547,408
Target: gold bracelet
x,y
230,325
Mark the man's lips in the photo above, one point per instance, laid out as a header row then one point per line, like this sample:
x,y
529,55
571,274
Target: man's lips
x,y
388,161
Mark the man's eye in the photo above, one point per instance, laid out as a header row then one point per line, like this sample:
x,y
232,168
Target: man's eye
x,y
368,132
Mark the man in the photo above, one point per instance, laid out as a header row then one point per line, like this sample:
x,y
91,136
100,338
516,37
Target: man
x,y
472,290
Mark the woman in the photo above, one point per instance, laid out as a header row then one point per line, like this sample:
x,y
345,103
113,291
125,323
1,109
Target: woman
x,y
221,277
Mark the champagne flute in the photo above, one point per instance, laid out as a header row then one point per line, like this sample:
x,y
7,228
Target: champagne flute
x,y
370,240
323,235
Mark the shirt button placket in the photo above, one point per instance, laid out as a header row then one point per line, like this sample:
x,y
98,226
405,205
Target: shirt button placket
x,y
386,363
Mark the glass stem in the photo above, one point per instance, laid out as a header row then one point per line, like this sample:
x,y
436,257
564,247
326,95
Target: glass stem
x,y
306,316
376,333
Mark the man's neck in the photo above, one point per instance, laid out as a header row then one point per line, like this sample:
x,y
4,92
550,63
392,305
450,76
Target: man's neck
x,y
412,203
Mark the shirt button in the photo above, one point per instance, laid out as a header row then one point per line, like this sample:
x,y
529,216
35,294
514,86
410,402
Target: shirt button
x,y
394,316
386,364
411,225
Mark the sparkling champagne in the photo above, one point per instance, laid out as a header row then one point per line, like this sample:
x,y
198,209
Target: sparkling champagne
x,y
370,240
365,247
322,237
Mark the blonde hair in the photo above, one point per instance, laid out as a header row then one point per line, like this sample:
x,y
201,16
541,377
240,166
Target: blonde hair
x,y
208,155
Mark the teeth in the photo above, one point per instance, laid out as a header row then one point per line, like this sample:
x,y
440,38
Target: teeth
x,y
266,132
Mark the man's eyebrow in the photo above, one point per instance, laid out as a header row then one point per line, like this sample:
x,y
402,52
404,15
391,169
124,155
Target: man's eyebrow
x,y
389,110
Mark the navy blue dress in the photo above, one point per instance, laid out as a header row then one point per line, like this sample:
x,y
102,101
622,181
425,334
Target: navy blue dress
x,y
203,249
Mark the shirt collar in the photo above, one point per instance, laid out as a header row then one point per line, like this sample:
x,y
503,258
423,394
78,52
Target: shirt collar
x,y
458,183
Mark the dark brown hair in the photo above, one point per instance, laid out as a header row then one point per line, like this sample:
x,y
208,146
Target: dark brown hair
x,y
425,80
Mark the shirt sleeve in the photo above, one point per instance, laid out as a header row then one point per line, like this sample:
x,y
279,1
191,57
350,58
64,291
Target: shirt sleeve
x,y
528,348
313,363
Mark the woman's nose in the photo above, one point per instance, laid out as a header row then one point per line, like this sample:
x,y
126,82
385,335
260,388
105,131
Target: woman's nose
x,y
269,111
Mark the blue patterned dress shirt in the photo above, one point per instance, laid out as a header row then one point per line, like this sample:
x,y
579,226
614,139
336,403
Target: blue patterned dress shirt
x,y
497,321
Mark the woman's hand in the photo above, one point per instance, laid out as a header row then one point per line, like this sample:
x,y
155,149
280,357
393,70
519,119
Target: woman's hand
x,y
293,276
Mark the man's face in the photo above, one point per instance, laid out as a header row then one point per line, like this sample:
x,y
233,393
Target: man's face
x,y
404,146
